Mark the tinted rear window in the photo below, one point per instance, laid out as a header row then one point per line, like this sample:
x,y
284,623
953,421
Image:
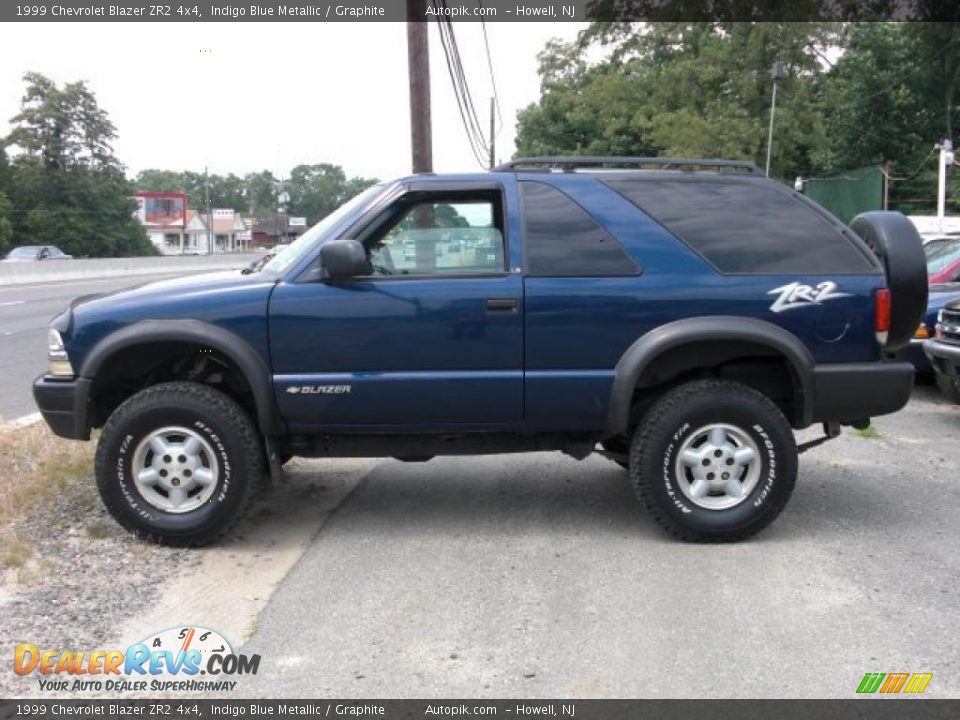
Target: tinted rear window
x,y
562,240
746,227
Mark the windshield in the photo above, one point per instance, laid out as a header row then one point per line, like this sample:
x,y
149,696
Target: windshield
x,y
943,257
291,254
28,251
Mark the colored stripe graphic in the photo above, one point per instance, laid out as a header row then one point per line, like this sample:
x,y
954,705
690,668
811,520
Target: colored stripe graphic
x,y
870,682
918,682
894,683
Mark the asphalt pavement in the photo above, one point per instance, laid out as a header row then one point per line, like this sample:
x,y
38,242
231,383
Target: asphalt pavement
x,y
25,311
538,576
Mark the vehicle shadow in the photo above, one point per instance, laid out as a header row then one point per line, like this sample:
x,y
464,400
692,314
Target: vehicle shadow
x,y
548,493
512,494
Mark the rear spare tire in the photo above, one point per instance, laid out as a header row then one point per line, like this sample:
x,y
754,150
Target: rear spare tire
x,y
897,244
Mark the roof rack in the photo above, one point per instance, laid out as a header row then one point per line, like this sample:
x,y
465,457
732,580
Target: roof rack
x,y
571,163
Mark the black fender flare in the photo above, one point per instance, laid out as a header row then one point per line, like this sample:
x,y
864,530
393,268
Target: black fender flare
x,y
649,346
251,364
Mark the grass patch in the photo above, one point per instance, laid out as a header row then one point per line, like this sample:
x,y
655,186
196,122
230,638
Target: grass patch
x,y
98,531
15,553
34,465
868,432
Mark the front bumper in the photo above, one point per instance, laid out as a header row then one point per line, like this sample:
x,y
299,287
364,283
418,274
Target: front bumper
x,y
63,404
858,391
945,357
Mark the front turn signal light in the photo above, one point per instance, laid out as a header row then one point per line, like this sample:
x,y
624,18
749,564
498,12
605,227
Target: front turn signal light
x,y
58,364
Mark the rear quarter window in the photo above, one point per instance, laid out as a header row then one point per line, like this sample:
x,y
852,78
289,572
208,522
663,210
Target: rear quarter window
x,y
563,240
747,227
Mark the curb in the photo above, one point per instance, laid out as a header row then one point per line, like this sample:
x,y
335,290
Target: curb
x,y
25,421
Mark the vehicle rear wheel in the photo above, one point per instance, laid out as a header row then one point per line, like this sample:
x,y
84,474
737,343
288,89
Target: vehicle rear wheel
x,y
713,460
177,463
949,386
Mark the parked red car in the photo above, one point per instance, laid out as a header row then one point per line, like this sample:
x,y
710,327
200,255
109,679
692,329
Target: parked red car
x,y
943,263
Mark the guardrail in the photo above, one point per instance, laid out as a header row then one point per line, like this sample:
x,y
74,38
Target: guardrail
x,y
23,273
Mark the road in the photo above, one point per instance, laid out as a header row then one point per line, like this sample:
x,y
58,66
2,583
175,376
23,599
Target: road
x,y
537,576
25,311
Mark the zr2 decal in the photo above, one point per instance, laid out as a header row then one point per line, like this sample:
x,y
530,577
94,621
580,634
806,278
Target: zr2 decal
x,y
797,295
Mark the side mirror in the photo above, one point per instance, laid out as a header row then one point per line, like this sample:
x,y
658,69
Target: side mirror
x,y
344,258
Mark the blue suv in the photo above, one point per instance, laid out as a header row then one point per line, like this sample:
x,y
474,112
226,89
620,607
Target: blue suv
x,y
681,317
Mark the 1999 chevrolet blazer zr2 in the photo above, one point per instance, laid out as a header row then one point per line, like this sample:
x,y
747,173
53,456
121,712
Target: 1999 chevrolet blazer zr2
x,y
684,315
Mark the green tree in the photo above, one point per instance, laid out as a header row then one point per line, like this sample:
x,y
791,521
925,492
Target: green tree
x,y
6,224
890,98
687,89
6,207
317,190
263,192
65,186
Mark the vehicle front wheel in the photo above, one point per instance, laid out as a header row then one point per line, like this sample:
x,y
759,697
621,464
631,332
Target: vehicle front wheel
x,y
177,463
713,460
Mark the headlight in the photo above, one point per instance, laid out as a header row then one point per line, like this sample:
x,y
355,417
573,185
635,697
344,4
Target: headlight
x,y
58,363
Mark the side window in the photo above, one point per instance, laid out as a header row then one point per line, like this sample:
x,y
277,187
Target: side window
x,y
436,235
562,240
745,226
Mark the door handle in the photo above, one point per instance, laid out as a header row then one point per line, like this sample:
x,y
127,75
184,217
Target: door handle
x,y
502,304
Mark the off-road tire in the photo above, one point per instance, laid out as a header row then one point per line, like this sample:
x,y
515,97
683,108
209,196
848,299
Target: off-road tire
x,y
949,387
231,434
676,416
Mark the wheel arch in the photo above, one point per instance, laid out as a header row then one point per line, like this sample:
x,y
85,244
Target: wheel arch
x,y
252,366
674,336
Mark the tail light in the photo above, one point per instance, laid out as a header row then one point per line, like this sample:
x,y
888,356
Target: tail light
x,y
882,302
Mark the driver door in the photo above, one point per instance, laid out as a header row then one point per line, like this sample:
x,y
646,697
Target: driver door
x,y
431,339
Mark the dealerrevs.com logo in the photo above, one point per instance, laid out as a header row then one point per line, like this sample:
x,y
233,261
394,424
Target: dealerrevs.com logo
x,y
183,659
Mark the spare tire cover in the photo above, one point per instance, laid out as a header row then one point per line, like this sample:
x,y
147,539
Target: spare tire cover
x,y
897,244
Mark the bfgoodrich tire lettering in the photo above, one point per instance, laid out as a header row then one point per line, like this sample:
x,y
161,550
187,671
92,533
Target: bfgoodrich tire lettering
x,y
689,419
226,432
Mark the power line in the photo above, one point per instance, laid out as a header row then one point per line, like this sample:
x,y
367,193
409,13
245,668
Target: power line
x,y
493,81
916,172
461,89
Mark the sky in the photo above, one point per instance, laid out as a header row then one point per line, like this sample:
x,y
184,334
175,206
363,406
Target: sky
x,y
241,97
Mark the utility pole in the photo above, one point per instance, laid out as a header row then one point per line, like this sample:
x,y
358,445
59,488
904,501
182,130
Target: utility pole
x,y
418,59
778,71
210,236
885,171
946,159
493,130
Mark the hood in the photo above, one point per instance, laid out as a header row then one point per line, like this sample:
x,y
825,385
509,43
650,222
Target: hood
x,y
943,293
197,286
